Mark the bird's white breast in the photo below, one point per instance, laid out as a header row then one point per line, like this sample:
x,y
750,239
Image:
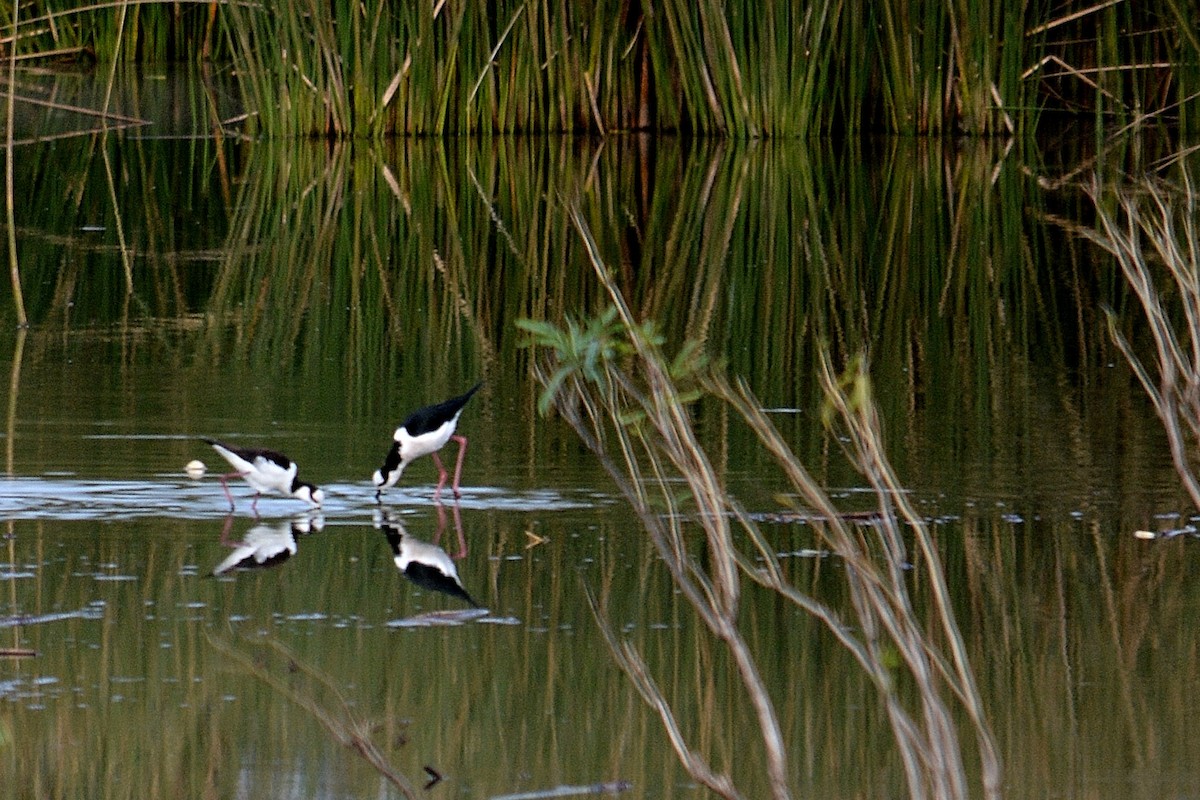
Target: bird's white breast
x,y
425,553
413,447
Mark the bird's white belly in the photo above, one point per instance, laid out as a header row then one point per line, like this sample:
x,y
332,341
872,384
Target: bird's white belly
x,y
412,447
269,477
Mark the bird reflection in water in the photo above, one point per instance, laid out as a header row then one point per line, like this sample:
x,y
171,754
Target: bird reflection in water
x,y
266,544
425,563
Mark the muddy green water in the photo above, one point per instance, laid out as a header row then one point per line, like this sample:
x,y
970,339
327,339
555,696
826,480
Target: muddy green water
x,y
306,297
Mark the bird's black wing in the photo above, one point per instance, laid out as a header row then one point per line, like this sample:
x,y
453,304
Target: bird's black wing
x,y
428,577
433,417
251,453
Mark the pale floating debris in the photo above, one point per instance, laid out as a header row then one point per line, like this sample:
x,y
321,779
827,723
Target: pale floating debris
x,y
1145,534
25,619
803,552
608,787
439,618
195,469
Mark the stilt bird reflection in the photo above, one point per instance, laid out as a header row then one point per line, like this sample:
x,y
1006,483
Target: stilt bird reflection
x,y
265,544
423,563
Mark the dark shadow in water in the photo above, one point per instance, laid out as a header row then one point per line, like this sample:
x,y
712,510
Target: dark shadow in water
x,y
425,563
265,544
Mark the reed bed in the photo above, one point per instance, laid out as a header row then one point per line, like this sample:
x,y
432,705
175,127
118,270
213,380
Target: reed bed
x,y
744,70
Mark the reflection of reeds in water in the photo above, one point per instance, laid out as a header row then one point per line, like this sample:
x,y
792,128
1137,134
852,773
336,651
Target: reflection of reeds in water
x,y
614,387
368,267
383,259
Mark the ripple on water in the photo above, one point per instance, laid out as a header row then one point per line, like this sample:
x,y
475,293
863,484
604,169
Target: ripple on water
x,y
66,497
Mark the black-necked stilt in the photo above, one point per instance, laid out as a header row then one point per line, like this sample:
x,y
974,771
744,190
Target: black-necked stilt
x,y
266,471
424,433
423,563
264,545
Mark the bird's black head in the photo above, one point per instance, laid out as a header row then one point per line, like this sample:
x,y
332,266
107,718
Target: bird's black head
x,y
389,473
307,491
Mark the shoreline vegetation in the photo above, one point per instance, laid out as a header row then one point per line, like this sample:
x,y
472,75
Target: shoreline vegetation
x,y
730,69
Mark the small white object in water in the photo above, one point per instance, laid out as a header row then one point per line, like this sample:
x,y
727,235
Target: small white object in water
x,y
195,469
1145,534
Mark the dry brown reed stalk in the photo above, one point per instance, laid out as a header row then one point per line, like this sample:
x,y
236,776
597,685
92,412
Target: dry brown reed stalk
x,y
14,270
14,391
623,399
877,576
342,725
1147,226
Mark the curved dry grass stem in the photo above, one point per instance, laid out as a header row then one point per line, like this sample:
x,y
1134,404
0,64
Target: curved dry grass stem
x,y
1145,226
14,270
341,723
631,663
14,392
631,414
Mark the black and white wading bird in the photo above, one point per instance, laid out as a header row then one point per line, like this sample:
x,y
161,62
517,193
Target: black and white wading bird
x,y
423,563
267,472
426,431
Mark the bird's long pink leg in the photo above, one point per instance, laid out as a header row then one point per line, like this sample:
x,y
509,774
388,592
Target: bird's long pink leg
x,y
462,541
441,476
226,529
441,528
462,451
225,486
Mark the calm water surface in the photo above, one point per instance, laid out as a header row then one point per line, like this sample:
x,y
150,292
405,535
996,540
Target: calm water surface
x,y
306,298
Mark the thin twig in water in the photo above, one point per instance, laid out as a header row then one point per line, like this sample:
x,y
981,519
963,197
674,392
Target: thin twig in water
x,y
345,729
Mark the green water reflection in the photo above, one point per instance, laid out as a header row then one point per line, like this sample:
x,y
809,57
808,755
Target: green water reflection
x,y
306,297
